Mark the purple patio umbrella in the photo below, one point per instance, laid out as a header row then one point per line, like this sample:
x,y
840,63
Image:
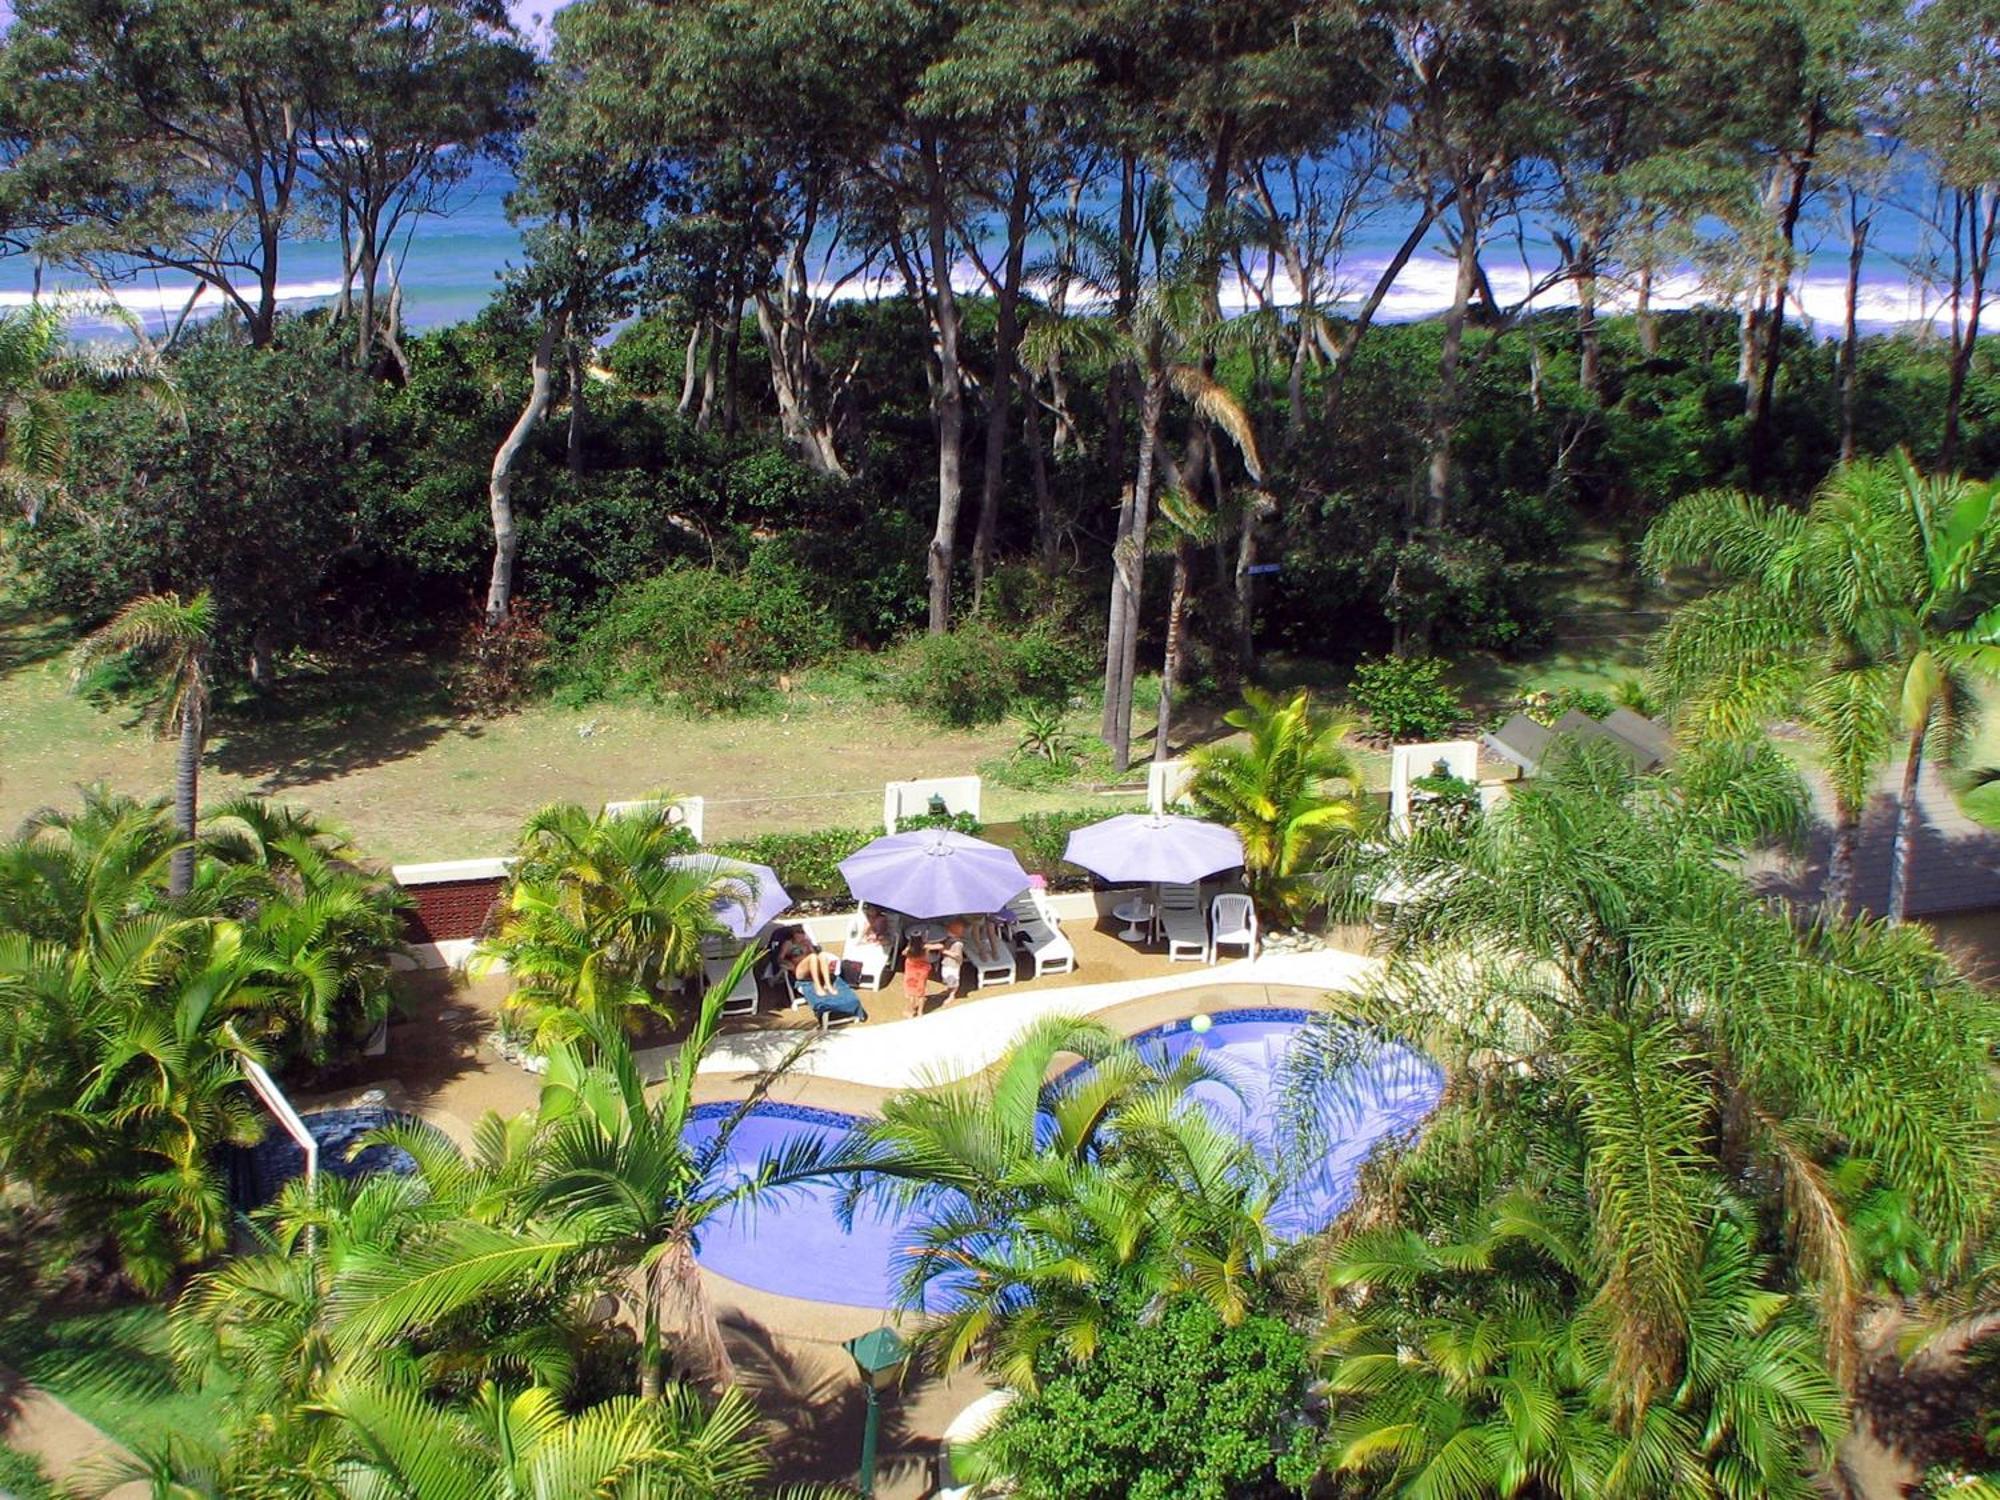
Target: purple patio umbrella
x,y
934,872
755,899
1134,847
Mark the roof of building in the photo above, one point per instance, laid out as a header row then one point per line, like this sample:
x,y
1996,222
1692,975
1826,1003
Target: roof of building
x,y
1527,743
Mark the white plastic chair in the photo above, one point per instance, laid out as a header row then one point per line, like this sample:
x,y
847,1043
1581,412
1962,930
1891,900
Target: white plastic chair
x,y
871,958
1233,920
1179,917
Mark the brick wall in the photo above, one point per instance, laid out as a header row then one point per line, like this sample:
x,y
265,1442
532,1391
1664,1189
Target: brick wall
x,y
447,909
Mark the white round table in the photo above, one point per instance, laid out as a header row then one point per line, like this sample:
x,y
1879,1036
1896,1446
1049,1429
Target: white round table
x,y
1132,913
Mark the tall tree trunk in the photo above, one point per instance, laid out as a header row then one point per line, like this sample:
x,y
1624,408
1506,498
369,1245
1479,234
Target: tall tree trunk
x,y
1444,414
1838,890
1118,381
732,368
579,402
1128,575
1649,322
1906,825
1982,222
1589,341
1006,344
1170,666
1038,474
187,781
949,397
1850,341
500,488
1781,283
704,416
1340,354
690,367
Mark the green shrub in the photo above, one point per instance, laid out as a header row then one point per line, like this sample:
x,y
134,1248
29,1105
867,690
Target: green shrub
x,y
1547,707
713,639
1407,698
1176,1405
977,675
23,1477
959,680
964,823
1043,838
808,864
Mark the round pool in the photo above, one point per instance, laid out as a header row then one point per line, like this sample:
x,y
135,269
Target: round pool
x,y
796,1245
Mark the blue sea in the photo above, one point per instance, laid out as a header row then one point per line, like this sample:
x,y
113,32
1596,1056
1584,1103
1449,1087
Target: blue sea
x,y
450,265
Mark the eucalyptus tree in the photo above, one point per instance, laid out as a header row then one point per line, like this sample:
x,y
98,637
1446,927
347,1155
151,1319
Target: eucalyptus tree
x,y
1643,1056
143,136
1867,615
1950,112
406,99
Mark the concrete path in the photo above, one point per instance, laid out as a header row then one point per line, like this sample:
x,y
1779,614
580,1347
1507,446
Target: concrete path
x,y
962,1040
73,1451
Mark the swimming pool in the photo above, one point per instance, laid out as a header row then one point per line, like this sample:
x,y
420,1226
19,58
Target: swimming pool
x,y
256,1173
796,1245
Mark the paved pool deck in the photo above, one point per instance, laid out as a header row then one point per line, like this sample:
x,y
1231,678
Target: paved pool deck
x,y
959,1041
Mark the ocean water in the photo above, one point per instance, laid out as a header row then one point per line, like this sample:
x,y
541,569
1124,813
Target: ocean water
x,y
450,266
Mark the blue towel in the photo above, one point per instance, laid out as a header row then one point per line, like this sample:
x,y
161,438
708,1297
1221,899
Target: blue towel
x,y
842,1002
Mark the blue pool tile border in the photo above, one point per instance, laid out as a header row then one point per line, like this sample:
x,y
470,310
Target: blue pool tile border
x,y
774,1109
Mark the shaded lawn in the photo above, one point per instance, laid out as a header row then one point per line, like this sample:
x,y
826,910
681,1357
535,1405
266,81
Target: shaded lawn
x,y
111,1366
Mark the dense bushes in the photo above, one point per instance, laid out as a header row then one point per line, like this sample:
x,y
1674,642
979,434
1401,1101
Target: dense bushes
x,y
1044,835
808,864
977,674
1406,697
709,638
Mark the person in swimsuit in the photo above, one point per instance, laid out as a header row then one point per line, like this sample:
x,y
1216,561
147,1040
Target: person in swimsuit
x,y
916,974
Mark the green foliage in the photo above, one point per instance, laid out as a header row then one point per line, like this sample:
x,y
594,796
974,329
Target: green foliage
x,y
602,917
1547,707
1044,836
1406,697
1438,797
957,822
1178,1405
977,675
1288,793
711,639
23,1477
808,863
125,1011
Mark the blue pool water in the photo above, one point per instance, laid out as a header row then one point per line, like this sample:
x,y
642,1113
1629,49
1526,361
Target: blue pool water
x,y
257,1174
797,1246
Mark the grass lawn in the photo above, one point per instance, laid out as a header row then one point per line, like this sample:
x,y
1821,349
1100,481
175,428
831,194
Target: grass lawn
x,y
111,1366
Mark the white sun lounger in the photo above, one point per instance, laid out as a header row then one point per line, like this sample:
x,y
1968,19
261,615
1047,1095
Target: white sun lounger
x,y
1042,937
744,997
871,958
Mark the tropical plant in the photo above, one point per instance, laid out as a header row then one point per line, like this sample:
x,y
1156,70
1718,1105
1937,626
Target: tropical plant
x,y
1044,735
1044,1207
1288,792
36,363
1865,616
1651,1055
602,917
170,638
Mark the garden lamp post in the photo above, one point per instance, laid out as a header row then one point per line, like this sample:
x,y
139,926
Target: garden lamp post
x,y
879,1354
938,809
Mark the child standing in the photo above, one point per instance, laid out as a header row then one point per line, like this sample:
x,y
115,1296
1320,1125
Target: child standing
x,y
916,973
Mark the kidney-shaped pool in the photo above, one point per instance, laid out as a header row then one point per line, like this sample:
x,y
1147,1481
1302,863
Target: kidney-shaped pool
x,y
797,1246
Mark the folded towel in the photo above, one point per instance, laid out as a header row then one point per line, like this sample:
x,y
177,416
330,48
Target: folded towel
x,y
843,1001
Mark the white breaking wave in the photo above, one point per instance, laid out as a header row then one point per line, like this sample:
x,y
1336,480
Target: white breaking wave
x,y
1422,289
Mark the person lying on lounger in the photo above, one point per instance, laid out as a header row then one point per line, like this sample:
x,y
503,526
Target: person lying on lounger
x,y
806,961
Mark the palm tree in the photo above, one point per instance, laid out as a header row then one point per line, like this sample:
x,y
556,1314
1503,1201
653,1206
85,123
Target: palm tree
x,y
36,363
172,637
1602,986
1478,1368
1169,332
600,920
1047,1208
1288,792
1863,617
